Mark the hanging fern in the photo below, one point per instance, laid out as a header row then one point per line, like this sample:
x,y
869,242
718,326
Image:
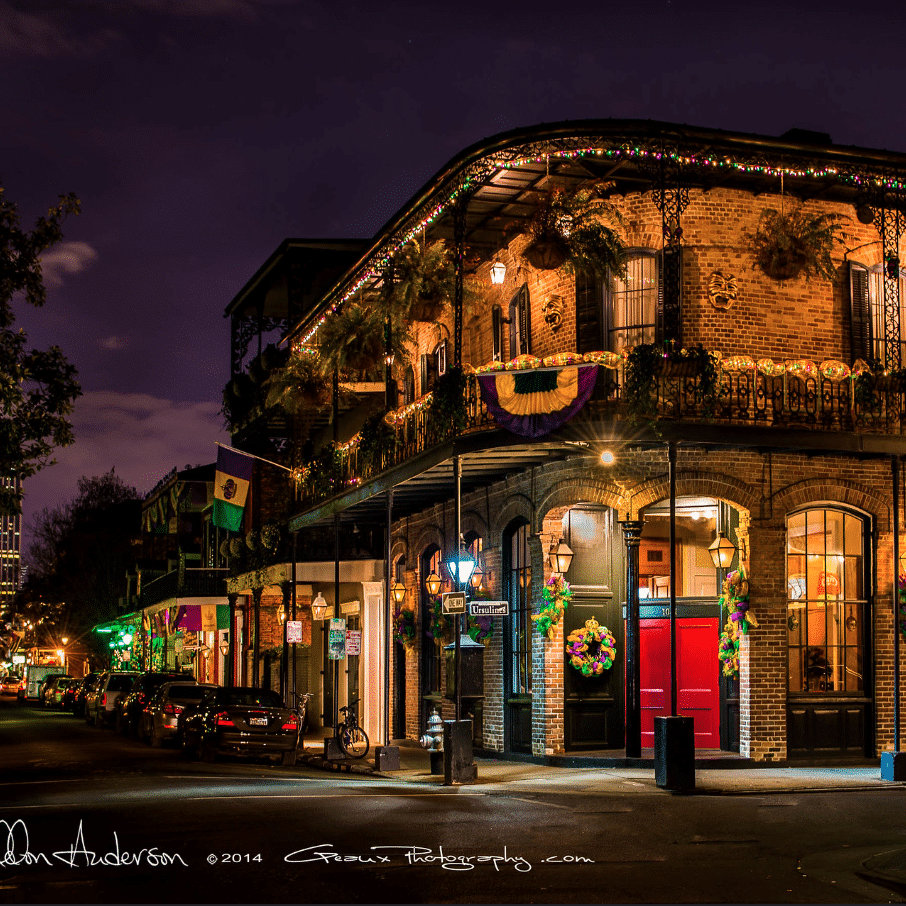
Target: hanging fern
x,y
787,245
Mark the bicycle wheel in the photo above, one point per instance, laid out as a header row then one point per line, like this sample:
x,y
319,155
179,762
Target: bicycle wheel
x,y
354,742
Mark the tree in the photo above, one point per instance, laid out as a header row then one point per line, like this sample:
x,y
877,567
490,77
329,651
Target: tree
x,y
37,387
80,555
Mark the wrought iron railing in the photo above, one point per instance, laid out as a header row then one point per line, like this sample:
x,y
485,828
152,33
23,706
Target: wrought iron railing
x,y
873,405
187,583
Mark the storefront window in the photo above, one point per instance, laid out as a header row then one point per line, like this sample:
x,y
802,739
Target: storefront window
x,y
520,596
826,601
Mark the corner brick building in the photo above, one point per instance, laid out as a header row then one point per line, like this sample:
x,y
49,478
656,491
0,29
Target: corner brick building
x,y
794,454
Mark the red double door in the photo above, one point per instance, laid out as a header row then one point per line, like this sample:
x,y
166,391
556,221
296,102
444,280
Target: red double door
x,y
698,676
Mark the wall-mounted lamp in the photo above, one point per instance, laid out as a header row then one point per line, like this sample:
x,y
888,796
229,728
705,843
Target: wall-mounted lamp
x,y
477,576
225,648
498,272
561,556
398,593
722,551
433,583
319,607
607,458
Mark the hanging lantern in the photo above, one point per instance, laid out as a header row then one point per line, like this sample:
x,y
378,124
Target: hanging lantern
x,y
433,583
462,566
319,607
561,557
498,272
477,576
398,593
722,551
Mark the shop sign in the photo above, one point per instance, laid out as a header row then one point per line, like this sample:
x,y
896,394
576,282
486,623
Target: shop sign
x,y
353,642
489,608
336,639
453,602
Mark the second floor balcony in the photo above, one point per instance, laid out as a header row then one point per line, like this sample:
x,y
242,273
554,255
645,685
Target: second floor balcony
x,y
795,403
185,583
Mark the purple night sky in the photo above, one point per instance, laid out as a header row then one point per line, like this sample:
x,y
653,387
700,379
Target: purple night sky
x,y
201,133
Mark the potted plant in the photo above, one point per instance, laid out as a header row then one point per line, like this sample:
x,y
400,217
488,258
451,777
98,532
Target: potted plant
x,y
568,230
787,245
648,361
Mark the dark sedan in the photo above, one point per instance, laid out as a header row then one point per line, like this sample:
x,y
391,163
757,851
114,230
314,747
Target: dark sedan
x,y
240,720
129,707
83,690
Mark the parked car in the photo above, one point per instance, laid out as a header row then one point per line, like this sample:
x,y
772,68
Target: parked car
x,y
160,717
69,693
129,707
83,690
10,684
36,677
243,721
100,707
54,687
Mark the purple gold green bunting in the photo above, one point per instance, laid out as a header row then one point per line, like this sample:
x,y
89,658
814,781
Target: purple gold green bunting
x,y
535,402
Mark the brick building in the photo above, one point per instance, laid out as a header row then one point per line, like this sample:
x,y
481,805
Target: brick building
x,y
740,374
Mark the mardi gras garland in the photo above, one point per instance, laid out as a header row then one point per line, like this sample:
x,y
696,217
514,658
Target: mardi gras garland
x,y
736,599
591,650
438,621
556,594
404,626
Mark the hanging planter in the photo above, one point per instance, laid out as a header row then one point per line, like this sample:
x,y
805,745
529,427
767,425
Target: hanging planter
x,y
787,246
547,253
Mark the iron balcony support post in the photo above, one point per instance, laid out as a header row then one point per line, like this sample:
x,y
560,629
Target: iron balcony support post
x,y
388,328
671,197
671,460
457,477
256,652
336,613
885,214
459,235
231,657
388,617
895,475
632,534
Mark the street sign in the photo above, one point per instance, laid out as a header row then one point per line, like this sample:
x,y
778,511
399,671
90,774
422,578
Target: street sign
x,y
293,631
353,642
336,640
489,608
453,602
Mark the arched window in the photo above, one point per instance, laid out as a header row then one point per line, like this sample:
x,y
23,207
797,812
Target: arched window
x,y
518,575
827,608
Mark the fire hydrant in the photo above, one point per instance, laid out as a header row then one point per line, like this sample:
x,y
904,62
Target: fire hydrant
x,y
433,741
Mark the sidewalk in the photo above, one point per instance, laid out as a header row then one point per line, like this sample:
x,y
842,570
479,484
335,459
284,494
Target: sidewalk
x,y
714,774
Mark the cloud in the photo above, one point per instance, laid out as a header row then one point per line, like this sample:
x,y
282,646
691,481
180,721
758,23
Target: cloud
x,y
65,258
139,435
30,34
113,342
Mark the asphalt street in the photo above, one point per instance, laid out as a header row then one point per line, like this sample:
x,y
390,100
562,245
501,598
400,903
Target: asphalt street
x,y
94,817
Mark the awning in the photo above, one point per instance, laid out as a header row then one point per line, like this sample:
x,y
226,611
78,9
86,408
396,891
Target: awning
x,y
203,617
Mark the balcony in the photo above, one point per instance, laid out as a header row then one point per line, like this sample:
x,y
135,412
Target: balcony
x,y
748,401
188,583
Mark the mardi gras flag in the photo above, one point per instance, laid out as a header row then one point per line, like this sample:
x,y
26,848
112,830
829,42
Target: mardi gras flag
x,y
535,402
231,487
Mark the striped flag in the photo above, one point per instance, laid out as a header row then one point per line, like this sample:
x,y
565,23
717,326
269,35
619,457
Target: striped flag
x,y
231,487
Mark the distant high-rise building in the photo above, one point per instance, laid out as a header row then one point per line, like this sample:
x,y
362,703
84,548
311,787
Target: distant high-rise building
x,y
10,554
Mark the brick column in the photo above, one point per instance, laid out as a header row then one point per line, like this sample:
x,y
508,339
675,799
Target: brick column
x,y
493,727
547,667
763,651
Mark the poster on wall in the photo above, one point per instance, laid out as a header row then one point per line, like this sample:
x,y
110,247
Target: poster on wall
x,y
336,640
353,642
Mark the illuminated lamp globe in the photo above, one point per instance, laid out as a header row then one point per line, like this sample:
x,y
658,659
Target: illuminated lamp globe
x,y
722,551
398,593
607,458
433,583
225,648
498,272
477,576
319,607
461,567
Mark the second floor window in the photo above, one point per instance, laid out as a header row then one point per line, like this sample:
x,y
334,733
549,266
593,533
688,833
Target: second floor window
x,y
869,314
634,303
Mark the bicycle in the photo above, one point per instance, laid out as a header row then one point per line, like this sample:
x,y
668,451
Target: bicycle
x,y
350,737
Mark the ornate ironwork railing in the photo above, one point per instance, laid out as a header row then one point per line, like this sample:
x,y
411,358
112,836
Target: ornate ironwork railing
x,y
187,583
874,405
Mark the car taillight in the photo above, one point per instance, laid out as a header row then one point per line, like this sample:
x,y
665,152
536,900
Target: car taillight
x,y
292,724
223,720
104,700
173,709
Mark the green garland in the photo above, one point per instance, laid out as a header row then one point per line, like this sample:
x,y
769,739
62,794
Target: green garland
x,y
404,626
555,594
438,621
